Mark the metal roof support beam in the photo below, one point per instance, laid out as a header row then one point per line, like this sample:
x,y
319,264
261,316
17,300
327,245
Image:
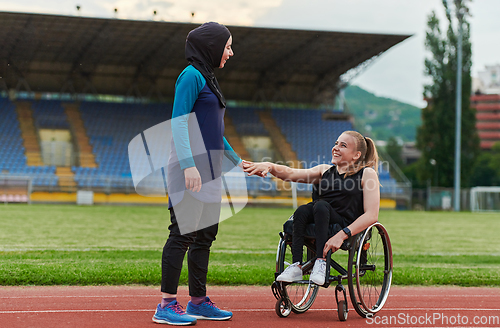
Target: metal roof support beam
x,y
279,96
331,82
68,87
148,61
3,85
133,91
155,91
86,49
260,96
21,82
89,86
111,52
275,72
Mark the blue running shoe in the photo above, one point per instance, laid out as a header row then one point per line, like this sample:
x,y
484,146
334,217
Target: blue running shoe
x,y
173,314
207,311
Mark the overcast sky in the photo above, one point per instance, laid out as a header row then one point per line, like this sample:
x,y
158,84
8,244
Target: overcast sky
x,y
397,74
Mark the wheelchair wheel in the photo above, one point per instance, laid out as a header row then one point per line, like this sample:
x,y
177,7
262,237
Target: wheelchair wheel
x,y
282,308
301,295
370,270
342,310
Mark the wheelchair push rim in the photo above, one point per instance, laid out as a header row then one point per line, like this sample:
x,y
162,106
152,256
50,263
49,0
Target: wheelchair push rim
x,y
370,270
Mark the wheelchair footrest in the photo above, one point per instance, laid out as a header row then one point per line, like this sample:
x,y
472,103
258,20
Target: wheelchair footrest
x,y
276,289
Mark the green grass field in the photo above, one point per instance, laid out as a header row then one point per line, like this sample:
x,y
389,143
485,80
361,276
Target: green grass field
x,y
74,245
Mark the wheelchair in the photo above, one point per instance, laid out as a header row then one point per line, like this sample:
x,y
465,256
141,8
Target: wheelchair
x,y
368,272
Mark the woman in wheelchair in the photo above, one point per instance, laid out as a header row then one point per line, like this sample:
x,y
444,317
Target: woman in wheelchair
x,y
346,193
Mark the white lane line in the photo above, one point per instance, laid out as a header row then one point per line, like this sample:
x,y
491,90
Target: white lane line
x,y
383,310
71,311
429,309
76,296
218,295
233,310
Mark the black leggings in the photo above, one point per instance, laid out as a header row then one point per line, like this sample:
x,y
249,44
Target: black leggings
x,y
198,242
322,215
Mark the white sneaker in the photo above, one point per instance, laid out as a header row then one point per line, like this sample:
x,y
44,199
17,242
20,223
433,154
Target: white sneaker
x,y
291,274
319,272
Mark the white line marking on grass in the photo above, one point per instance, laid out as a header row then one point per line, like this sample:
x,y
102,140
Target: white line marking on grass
x,y
91,248
444,254
24,248
71,249
235,251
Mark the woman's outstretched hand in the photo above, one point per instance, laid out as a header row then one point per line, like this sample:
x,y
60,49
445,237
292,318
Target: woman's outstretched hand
x,y
260,169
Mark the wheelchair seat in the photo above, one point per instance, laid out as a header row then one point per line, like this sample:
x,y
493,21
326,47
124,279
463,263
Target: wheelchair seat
x,y
332,231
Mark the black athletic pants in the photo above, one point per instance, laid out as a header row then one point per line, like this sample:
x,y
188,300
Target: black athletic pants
x,y
322,215
198,243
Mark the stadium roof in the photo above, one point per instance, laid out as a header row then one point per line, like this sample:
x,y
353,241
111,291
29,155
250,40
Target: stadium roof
x,y
48,53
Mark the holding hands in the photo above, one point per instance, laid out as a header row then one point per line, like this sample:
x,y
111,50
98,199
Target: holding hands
x,y
259,169
193,179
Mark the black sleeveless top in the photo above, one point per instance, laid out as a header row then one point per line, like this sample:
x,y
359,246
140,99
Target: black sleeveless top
x,y
344,194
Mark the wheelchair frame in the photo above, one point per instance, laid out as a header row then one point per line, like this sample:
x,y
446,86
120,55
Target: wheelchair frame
x,y
368,275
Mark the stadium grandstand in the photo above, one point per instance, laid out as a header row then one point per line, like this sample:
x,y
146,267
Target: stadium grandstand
x,y
75,91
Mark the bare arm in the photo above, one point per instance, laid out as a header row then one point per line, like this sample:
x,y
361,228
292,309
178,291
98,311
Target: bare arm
x,y
311,175
371,203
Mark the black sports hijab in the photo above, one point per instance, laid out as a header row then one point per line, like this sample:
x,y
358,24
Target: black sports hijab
x,y
204,48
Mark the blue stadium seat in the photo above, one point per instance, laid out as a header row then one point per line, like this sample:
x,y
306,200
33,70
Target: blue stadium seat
x,y
246,121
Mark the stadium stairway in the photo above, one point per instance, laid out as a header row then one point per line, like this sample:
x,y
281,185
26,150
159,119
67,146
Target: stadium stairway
x,y
234,138
87,158
279,140
283,147
66,178
28,133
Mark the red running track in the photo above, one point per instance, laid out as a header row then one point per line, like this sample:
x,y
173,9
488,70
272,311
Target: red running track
x,y
76,307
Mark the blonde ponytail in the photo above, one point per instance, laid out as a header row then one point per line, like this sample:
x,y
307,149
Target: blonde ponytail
x,y
369,155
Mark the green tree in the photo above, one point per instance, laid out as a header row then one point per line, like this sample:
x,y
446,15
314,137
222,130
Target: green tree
x,y
495,159
486,171
436,135
395,150
483,174
410,171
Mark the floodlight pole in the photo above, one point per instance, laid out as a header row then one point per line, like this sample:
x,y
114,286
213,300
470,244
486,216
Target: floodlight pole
x,y
458,110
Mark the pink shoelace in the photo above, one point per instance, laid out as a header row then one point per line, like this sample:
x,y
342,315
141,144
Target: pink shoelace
x,y
211,304
177,308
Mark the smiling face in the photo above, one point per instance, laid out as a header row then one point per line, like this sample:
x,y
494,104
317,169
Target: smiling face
x,y
345,151
228,52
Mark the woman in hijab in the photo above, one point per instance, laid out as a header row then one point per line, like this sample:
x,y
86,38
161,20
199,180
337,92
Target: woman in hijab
x,y
193,175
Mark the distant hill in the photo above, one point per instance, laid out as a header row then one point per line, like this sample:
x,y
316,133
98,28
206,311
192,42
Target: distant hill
x,y
381,117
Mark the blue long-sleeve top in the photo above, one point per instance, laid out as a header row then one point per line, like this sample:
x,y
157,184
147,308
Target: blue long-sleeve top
x,y
192,94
